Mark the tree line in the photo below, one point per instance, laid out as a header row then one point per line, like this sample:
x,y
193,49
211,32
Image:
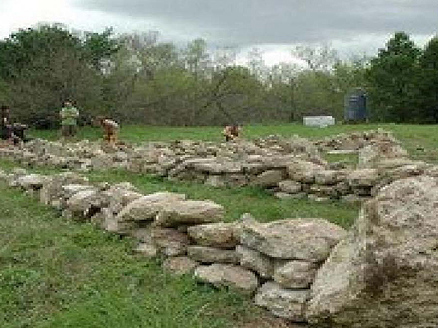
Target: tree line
x,y
137,78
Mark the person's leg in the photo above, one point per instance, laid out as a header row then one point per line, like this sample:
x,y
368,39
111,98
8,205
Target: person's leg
x,y
64,131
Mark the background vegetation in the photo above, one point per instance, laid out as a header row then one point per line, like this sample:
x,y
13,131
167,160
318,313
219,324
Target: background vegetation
x,y
136,78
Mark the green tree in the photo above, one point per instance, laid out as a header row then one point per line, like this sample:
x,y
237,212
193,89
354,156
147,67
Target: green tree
x,y
393,77
45,65
428,85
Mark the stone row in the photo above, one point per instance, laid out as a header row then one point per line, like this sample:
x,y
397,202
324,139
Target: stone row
x,y
264,260
289,168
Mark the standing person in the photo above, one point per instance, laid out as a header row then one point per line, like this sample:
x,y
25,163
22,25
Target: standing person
x,y
110,129
231,132
69,115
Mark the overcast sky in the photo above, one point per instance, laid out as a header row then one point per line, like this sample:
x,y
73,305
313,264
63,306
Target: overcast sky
x,y
351,26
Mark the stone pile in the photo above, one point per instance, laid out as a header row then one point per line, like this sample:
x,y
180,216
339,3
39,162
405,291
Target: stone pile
x,y
355,140
288,167
382,273
274,262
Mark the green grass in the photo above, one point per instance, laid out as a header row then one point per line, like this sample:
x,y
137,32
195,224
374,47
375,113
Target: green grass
x,y
58,273
236,201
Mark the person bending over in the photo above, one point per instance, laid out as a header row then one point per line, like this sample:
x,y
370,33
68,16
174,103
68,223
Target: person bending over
x,y
231,132
110,129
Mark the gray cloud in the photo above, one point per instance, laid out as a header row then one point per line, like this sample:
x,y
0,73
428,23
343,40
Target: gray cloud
x,y
246,22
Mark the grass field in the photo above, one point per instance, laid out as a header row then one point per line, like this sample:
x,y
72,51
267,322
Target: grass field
x,y
59,273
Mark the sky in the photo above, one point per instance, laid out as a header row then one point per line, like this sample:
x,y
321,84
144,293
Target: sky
x,y
353,27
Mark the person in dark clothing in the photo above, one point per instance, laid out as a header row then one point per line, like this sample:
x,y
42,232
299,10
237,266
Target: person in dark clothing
x,y
5,126
14,133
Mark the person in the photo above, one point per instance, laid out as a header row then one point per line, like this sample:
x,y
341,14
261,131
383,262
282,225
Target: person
x,y
69,115
13,133
110,129
5,127
231,132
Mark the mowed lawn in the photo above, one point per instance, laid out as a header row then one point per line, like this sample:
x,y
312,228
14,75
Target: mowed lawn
x,y
56,272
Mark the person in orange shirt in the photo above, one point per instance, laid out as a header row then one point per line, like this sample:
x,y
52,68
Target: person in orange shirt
x,y
231,132
110,129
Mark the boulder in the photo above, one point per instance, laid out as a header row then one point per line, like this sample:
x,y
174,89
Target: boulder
x,y
169,242
281,302
329,177
300,239
289,186
189,212
86,203
205,254
363,178
255,261
227,275
384,273
371,155
71,189
31,181
52,191
219,235
295,274
303,171
269,178
146,208
120,195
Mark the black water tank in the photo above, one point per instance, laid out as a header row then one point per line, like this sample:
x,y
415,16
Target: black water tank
x,y
356,106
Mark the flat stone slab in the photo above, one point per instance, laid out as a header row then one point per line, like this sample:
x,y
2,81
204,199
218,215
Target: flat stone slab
x,y
300,239
284,303
227,275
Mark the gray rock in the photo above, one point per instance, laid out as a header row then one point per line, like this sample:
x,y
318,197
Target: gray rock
x,y
303,171
52,190
189,212
328,177
289,186
219,235
269,178
205,254
363,178
295,274
146,208
169,242
255,261
226,275
384,273
31,181
284,303
86,201
301,239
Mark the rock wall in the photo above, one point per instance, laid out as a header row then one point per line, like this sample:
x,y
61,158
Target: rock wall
x,y
274,262
288,167
380,274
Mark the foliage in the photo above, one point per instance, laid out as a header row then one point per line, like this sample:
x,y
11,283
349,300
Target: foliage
x,y
428,86
136,78
393,76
